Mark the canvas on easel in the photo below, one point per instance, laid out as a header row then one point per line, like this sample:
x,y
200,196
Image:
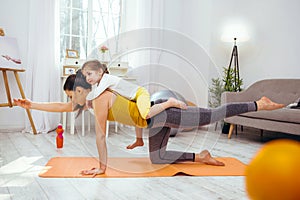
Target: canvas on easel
x,y
10,62
9,53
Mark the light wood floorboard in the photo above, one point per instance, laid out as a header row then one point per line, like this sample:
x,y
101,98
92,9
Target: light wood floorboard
x,y
23,155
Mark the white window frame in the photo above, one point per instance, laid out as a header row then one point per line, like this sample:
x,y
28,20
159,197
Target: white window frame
x,y
89,32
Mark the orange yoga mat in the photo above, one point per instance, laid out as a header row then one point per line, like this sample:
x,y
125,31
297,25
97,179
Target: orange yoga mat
x,y
70,167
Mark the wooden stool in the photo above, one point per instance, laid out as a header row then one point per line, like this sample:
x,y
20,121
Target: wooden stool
x,y
10,103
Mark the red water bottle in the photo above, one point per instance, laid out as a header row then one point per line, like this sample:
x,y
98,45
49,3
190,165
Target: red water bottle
x,y
59,136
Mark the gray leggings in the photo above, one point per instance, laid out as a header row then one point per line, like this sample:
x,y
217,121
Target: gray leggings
x,y
193,117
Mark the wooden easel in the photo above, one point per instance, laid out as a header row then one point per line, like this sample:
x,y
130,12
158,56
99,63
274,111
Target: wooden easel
x,y
10,103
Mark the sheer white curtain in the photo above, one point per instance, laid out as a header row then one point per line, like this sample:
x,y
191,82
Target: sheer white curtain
x,y
43,82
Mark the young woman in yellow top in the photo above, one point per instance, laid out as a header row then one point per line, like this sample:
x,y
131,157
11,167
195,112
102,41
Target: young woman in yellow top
x,y
110,106
97,75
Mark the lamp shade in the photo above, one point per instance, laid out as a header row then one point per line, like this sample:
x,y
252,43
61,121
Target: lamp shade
x,y
236,30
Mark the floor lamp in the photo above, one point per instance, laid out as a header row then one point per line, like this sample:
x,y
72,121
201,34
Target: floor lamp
x,y
235,85
236,73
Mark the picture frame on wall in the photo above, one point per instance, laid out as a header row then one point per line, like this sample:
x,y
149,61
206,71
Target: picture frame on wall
x,y
68,70
70,53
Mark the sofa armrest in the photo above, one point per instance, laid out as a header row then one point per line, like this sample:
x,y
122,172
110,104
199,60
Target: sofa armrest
x,y
243,96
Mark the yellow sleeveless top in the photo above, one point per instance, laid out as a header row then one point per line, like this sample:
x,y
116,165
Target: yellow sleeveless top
x,y
126,112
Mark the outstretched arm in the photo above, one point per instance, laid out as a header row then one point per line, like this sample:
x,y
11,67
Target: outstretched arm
x,y
47,106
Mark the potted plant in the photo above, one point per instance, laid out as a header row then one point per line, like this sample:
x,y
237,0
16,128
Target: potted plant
x,y
215,91
230,82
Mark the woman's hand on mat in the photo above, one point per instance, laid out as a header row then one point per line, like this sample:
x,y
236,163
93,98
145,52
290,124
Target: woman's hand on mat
x,y
93,171
24,103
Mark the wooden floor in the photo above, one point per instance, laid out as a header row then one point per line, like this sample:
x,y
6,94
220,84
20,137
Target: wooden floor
x,y
22,156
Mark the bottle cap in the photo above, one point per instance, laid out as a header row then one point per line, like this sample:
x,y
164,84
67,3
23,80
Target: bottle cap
x,y
59,126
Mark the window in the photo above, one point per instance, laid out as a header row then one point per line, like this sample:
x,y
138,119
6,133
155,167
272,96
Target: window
x,y
85,24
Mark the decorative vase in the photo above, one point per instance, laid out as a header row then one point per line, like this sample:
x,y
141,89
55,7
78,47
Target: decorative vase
x,y
103,49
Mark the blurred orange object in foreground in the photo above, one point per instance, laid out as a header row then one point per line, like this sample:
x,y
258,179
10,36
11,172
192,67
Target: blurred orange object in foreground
x,y
274,172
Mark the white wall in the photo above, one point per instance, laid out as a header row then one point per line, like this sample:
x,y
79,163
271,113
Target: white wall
x,y
14,21
192,20
182,63
271,51
274,45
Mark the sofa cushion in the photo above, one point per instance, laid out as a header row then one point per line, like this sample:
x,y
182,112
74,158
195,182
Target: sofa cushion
x,y
281,115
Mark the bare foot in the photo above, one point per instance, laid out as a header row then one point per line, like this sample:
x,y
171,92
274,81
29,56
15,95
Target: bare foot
x,y
266,104
138,143
176,103
206,158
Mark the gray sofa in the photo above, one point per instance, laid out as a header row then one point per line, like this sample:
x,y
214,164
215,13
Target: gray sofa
x,y
283,120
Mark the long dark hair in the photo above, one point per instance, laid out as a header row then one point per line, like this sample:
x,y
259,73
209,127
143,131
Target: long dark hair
x,y
69,84
73,81
80,81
